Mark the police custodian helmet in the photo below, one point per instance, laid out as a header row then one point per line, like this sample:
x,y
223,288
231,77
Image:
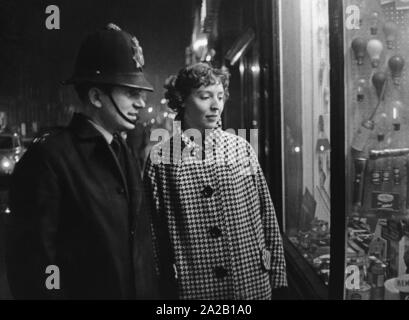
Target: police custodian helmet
x,y
110,56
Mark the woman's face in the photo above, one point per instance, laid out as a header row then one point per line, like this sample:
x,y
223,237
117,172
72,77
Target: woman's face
x,y
204,106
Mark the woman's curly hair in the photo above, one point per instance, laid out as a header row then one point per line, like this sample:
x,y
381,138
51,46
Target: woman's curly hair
x,y
179,87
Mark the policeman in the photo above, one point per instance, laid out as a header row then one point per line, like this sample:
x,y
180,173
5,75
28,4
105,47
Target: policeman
x,y
78,227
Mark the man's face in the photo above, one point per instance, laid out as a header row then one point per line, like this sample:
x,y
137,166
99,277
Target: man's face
x,y
129,101
204,106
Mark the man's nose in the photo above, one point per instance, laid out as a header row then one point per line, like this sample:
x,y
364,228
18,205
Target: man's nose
x,y
139,103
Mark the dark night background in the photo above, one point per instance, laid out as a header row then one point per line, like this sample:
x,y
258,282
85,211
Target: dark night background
x,y
33,59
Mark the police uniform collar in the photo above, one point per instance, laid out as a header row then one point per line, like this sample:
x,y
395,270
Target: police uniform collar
x,y
81,126
105,133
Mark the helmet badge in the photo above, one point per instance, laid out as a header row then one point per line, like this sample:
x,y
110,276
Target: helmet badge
x,y
137,53
112,26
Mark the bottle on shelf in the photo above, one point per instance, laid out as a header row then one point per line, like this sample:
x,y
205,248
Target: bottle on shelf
x,y
380,173
397,108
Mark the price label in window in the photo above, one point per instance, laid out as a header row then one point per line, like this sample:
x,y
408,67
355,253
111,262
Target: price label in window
x,y
385,201
402,284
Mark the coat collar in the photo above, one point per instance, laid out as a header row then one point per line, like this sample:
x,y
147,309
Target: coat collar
x,y
105,133
96,147
81,127
211,135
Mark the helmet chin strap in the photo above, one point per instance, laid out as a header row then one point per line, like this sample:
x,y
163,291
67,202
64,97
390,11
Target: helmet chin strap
x,y
119,111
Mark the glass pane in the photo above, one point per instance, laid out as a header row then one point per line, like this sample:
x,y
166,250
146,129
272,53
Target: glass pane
x,y
306,125
377,99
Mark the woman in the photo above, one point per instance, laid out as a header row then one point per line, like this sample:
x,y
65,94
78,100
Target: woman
x,y
214,223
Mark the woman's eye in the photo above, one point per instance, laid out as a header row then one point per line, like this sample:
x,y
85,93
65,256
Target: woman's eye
x,y
204,97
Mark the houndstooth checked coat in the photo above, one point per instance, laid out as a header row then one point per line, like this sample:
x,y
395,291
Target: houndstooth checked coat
x,y
214,224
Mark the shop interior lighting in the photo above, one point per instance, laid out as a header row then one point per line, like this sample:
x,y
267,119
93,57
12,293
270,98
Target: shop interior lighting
x,y
203,13
240,46
255,68
241,68
200,43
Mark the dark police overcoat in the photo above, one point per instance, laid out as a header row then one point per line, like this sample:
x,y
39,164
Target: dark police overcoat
x,y
72,208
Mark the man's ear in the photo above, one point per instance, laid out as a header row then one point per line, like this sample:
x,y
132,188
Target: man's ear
x,y
94,96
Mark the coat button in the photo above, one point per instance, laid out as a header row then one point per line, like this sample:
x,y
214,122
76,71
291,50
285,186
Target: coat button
x,y
220,272
208,191
120,190
132,233
215,232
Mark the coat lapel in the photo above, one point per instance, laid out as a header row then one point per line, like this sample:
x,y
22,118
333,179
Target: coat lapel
x,y
135,186
125,182
96,146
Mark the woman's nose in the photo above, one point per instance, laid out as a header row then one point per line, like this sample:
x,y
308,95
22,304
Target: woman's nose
x,y
216,104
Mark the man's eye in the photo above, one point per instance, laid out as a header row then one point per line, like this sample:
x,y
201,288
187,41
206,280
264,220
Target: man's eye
x,y
136,94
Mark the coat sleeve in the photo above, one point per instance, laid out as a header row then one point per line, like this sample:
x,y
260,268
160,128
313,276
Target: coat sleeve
x,y
163,251
271,229
31,233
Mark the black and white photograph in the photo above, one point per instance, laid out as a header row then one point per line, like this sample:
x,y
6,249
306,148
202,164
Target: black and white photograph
x,y
223,152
